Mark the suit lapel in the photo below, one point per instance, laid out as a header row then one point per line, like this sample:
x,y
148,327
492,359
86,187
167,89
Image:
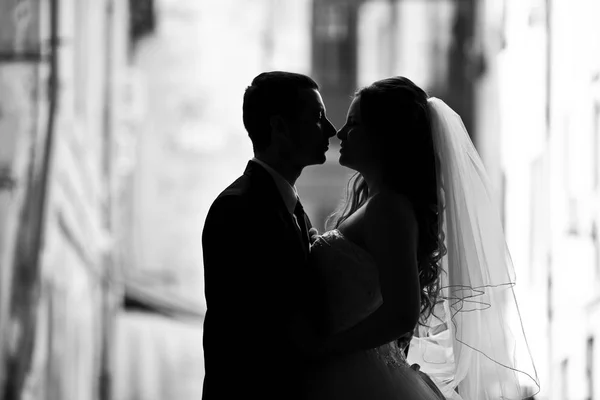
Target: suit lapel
x,y
293,231
265,184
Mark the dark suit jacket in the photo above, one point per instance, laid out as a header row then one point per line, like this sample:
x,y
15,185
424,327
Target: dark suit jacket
x,y
256,284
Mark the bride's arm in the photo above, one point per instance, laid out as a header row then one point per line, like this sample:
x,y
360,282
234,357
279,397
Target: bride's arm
x,y
391,236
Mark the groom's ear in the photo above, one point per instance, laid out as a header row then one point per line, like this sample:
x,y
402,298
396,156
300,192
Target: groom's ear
x,y
278,125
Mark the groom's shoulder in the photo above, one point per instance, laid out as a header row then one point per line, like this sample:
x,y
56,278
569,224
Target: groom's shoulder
x,y
252,191
237,193
242,193
238,188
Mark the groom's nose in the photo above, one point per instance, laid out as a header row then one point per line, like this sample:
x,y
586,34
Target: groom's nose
x,y
331,131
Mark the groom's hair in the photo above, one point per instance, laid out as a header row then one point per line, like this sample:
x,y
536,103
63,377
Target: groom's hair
x,y
272,93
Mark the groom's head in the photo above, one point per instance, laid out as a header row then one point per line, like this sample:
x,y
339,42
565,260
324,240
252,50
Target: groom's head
x,y
285,117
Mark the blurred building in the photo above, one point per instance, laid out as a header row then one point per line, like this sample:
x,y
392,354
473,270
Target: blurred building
x,y
59,64
537,126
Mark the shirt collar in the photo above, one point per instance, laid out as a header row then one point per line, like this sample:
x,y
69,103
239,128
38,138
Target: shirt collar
x,y
287,191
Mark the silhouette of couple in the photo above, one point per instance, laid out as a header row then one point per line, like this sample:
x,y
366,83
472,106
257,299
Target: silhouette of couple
x,y
294,314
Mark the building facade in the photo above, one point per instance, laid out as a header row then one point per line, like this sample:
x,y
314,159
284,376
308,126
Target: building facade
x,y
59,69
538,119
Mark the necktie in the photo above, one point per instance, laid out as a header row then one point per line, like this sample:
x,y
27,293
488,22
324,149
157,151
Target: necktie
x,y
299,214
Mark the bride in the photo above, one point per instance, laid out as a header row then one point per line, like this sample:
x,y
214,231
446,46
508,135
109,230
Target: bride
x,y
415,270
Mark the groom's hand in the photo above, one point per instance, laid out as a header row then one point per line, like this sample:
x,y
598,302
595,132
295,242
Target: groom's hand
x,y
313,233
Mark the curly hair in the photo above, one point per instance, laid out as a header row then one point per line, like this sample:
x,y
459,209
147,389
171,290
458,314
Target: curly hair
x,y
396,111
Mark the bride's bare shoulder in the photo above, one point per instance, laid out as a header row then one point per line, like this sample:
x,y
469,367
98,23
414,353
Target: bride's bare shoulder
x,y
388,205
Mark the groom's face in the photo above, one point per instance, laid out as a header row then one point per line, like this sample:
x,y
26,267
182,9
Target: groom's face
x,y
309,131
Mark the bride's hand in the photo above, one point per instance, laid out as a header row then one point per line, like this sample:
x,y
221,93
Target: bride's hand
x,y
313,233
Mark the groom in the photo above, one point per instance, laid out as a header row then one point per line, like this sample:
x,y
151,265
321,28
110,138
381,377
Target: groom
x,y
255,244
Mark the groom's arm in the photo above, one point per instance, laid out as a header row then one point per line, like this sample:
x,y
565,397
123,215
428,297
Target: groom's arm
x,y
232,249
246,271
222,254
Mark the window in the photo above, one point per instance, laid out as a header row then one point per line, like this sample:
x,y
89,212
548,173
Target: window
x,y
332,34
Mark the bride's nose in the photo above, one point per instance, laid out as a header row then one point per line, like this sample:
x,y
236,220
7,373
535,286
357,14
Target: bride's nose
x,y
341,134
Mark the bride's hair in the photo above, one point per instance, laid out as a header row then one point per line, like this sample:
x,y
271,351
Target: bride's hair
x,y
396,111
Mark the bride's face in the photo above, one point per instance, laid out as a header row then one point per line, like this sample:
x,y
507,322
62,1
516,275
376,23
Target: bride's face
x,y
357,149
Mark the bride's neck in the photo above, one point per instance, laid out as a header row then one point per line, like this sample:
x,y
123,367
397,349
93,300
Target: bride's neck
x,y
374,183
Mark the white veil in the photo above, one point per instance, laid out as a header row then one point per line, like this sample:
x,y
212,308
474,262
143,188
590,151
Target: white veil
x,y
470,348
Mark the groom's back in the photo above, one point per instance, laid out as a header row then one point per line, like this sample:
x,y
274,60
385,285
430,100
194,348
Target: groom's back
x,y
253,268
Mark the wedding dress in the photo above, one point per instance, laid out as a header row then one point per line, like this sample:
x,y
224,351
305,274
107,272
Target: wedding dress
x,y
349,278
